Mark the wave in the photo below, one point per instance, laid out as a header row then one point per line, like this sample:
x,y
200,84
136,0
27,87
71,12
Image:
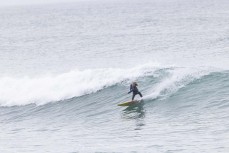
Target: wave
x,y
166,81
26,90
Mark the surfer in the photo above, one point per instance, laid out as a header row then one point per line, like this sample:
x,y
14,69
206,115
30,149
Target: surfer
x,y
134,89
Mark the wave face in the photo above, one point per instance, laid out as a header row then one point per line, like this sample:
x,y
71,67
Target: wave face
x,y
78,83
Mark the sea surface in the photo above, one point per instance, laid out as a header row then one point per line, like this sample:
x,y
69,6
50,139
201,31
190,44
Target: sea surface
x,y
64,67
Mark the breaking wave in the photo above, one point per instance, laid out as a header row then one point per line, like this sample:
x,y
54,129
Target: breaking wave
x,y
42,90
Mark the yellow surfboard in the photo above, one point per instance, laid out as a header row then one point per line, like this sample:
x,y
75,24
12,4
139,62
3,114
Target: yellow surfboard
x,y
129,103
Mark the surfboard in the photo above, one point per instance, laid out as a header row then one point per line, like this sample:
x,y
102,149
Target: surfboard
x,y
129,103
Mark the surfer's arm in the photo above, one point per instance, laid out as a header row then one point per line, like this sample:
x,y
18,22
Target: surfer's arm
x,y
131,89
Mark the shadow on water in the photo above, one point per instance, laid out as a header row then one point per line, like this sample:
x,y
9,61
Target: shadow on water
x,y
135,112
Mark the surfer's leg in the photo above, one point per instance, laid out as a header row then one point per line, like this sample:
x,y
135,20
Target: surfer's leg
x,y
133,96
140,94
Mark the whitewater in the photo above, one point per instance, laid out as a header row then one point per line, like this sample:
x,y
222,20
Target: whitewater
x,y
65,67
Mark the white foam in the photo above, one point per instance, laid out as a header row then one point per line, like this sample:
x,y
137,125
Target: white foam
x,y
177,79
26,90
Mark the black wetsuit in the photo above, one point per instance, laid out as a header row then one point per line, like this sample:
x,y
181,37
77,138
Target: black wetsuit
x,y
135,91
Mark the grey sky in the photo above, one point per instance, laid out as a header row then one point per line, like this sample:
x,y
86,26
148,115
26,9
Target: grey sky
x,y
28,2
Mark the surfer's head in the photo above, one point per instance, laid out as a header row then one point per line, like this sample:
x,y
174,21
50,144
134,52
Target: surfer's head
x,y
135,83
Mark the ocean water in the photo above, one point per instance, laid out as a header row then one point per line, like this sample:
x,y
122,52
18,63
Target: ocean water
x,y
65,67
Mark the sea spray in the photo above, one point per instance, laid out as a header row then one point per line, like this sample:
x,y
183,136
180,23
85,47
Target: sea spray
x,y
175,80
